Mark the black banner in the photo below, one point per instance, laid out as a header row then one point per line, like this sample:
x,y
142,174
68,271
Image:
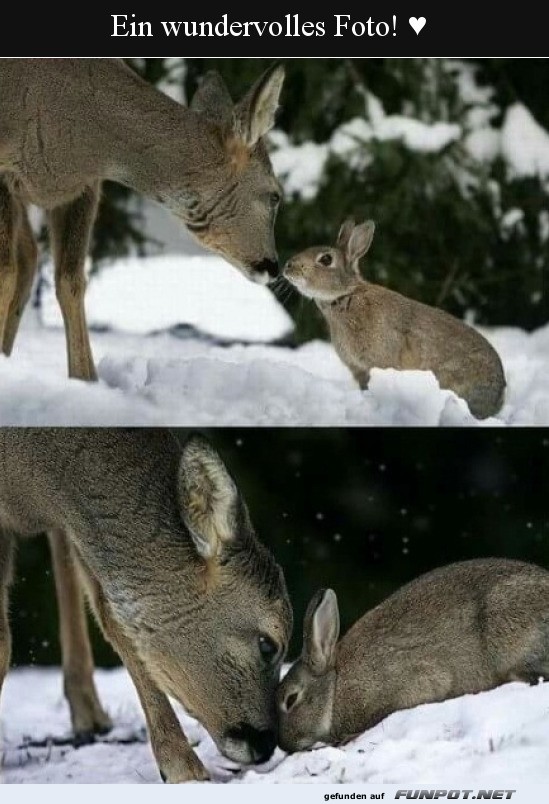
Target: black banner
x,y
188,30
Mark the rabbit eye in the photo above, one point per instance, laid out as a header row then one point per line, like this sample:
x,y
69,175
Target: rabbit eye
x,y
291,701
326,259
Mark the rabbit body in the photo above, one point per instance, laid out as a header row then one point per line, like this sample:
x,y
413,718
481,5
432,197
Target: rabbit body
x,y
463,628
374,327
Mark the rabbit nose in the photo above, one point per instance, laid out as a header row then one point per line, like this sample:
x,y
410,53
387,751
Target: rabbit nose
x,y
288,267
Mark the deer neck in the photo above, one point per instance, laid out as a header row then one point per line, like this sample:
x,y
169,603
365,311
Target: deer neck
x,y
130,132
164,151
73,122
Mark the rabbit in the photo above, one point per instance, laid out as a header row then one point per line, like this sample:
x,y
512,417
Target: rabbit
x,y
373,327
459,629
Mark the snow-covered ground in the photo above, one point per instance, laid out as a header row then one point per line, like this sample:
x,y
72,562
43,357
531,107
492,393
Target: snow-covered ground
x,y
494,739
151,376
143,296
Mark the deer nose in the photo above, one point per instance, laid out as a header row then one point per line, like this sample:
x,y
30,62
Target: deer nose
x,y
268,266
263,745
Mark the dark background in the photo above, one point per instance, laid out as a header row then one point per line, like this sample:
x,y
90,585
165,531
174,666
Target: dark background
x,y
360,510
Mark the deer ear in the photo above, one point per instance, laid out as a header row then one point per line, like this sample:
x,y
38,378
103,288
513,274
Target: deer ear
x,y
321,631
254,116
344,234
208,498
360,241
212,98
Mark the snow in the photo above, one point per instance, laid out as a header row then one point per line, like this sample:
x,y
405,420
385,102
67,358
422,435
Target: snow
x,y
512,218
160,379
144,295
484,144
521,141
525,144
472,93
416,135
492,739
300,167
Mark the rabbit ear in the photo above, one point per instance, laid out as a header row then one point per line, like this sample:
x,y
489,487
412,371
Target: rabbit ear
x,y
321,632
360,241
344,234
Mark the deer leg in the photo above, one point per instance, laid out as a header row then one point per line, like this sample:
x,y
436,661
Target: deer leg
x,y
10,218
176,760
70,228
6,552
87,716
27,261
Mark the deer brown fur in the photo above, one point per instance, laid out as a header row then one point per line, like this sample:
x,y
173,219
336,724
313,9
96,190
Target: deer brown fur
x,y
162,542
66,125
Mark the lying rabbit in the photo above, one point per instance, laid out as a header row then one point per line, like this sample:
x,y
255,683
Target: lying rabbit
x,y
460,629
373,327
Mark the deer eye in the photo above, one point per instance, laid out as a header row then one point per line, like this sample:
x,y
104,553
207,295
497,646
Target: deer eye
x,y
275,199
268,649
326,259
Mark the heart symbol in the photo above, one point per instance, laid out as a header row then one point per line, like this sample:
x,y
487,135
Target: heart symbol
x,y
417,23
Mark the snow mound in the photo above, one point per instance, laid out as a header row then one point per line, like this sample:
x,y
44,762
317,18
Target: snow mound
x,y
148,294
493,739
490,739
164,380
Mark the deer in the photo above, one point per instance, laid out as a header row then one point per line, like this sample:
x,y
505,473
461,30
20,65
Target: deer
x,y
67,125
157,537
459,629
